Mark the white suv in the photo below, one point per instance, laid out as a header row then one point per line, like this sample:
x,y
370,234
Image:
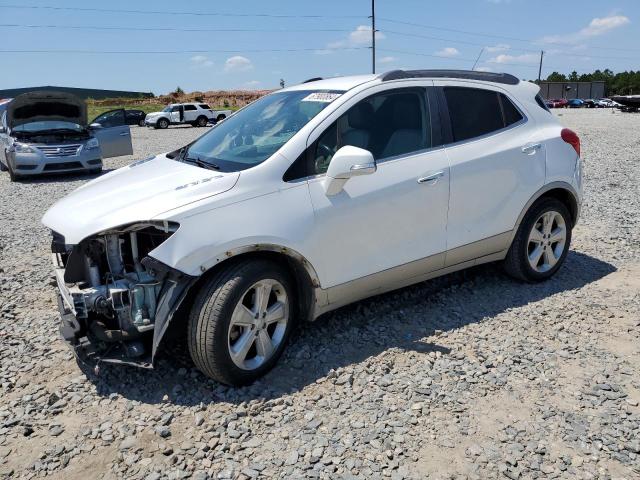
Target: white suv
x,y
308,199
195,114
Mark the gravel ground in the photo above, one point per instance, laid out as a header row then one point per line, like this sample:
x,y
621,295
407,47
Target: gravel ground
x,y
471,376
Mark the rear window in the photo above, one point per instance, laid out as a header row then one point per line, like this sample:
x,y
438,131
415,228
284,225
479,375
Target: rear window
x,y
475,112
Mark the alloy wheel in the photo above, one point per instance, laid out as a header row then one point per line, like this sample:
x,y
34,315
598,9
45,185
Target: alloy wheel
x,y
546,241
258,324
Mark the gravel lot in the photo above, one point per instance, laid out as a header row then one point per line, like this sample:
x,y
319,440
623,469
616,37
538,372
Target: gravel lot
x,y
470,376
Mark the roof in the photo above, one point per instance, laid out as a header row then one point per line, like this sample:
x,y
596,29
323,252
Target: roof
x,y
347,83
504,78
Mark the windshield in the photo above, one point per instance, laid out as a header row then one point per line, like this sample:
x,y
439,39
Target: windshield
x,y
257,131
167,108
46,125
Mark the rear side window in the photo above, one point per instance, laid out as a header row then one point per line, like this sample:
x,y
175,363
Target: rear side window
x,y
475,112
205,106
189,107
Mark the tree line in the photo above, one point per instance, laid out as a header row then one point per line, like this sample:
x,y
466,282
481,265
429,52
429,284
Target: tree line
x,y
621,83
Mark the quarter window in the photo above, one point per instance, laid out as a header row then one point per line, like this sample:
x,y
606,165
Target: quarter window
x,y
475,112
205,106
511,113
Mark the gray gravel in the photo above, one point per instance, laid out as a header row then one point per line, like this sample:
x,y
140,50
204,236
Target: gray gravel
x,y
471,376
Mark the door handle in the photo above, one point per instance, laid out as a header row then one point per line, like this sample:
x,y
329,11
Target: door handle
x,y
124,134
431,179
531,148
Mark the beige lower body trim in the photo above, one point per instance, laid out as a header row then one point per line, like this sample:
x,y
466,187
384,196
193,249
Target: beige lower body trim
x,y
484,251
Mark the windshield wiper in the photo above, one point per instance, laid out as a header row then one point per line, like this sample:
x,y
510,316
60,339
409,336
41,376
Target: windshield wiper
x,y
201,163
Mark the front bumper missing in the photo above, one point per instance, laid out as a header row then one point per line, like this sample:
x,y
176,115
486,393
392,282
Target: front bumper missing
x,y
89,350
86,350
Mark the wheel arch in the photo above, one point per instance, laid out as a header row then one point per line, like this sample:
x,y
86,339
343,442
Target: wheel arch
x,y
305,282
562,191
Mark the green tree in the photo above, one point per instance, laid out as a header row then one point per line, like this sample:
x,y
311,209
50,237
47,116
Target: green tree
x,y
573,77
556,77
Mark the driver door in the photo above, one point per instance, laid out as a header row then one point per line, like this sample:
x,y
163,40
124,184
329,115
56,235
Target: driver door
x,y
176,114
113,133
389,226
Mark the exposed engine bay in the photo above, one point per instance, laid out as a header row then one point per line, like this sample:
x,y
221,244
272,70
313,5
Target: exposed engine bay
x,y
52,137
111,290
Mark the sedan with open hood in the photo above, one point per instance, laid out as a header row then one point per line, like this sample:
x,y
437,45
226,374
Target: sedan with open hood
x,y
47,132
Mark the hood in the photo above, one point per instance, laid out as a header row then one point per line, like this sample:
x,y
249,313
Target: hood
x,y
46,105
141,191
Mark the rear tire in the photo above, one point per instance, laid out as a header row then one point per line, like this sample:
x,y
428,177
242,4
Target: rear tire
x,y
3,167
241,321
141,123
541,243
220,117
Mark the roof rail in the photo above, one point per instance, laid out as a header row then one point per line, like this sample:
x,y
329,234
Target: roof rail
x,y
314,79
462,74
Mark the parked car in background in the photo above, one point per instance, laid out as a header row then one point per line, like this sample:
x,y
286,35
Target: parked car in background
x,y
135,117
589,103
195,114
606,103
310,198
575,103
47,132
558,103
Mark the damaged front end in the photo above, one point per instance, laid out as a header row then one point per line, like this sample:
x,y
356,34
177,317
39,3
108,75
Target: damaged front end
x,y
116,301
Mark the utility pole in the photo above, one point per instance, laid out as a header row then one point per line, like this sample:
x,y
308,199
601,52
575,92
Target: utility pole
x,y
540,69
373,36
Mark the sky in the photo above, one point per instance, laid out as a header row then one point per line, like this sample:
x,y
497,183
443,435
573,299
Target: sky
x,y
250,44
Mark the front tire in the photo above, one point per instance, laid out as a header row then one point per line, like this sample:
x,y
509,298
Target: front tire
x,y
201,121
241,320
12,175
541,243
162,124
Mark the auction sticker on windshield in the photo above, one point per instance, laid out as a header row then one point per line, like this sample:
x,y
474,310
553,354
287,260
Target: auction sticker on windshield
x,y
327,97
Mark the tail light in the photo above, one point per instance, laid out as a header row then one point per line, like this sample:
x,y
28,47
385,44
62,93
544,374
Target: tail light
x,y
571,138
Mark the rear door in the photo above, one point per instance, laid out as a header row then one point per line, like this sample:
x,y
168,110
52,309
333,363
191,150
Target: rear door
x,y
113,133
496,166
190,113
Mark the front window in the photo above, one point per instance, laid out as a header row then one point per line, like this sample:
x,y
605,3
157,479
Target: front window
x,y
256,132
48,125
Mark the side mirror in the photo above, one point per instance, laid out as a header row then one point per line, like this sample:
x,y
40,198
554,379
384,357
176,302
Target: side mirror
x,y
348,162
95,126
